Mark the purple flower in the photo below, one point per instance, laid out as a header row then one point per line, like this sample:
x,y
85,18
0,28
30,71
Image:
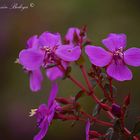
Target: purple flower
x,y
115,59
45,113
49,53
87,129
27,57
49,43
56,52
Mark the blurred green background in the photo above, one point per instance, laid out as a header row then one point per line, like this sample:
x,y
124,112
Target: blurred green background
x,y
16,100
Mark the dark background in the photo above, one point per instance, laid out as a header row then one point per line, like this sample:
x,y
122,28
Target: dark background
x,y
16,100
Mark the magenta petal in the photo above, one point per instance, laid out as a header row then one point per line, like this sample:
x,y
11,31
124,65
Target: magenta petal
x,y
30,59
32,42
70,34
115,41
50,40
36,80
119,71
53,94
68,53
98,56
54,73
132,56
64,64
41,111
52,112
41,134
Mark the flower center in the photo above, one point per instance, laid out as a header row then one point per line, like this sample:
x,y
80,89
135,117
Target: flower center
x,y
47,50
69,50
118,54
49,56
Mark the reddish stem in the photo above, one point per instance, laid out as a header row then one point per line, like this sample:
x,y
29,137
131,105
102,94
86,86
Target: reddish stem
x,y
95,133
77,83
86,78
104,91
74,80
72,117
110,85
91,89
91,94
103,123
129,133
68,117
104,106
126,131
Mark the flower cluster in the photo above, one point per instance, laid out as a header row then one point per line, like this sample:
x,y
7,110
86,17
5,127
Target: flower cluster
x,y
52,53
48,52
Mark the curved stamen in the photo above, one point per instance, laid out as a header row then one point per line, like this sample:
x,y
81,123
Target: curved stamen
x,y
118,54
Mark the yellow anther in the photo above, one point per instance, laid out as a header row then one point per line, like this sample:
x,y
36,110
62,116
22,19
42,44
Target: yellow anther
x,y
17,61
33,112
